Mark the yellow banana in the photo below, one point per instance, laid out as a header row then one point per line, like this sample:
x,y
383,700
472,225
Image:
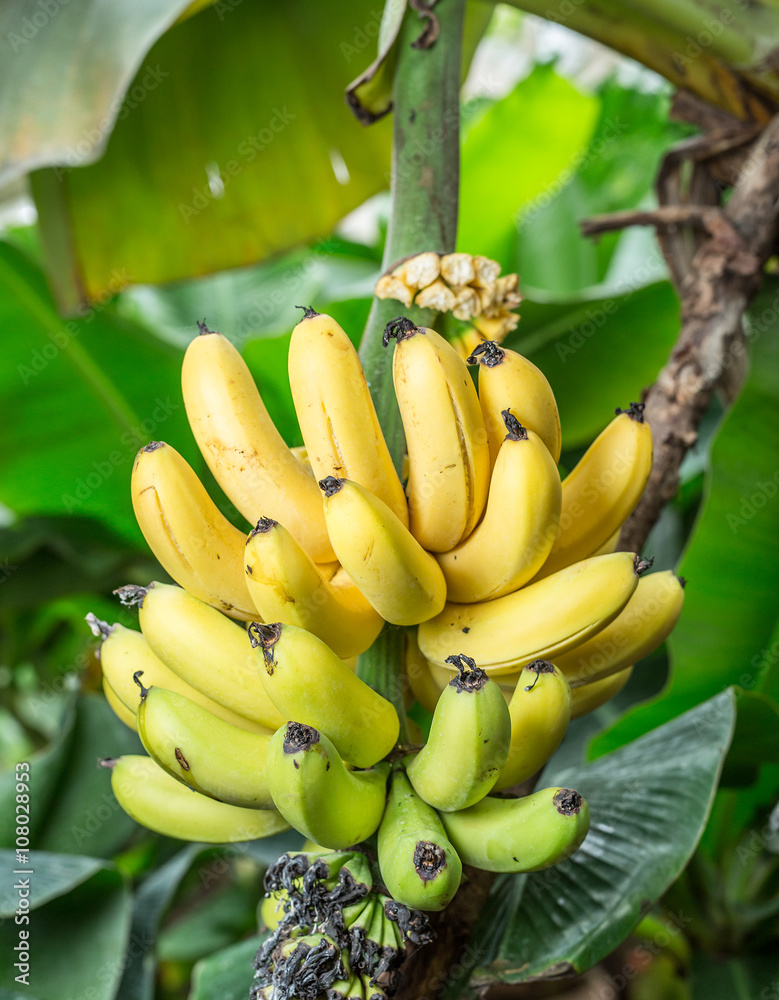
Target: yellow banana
x,y
242,447
314,791
195,747
610,545
308,683
519,526
203,648
603,489
287,586
468,743
591,696
645,622
520,835
125,652
389,566
187,533
160,803
540,711
448,455
336,413
539,621
506,379
118,707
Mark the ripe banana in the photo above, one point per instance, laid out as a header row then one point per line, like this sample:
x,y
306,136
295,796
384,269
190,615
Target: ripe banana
x,y
448,454
506,379
286,585
603,489
519,526
591,696
540,711
468,743
118,707
187,533
393,572
125,652
520,835
242,447
316,794
645,622
539,621
418,864
336,413
160,803
203,648
307,682
200,750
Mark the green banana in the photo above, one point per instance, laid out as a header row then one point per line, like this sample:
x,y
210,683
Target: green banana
x,y
520,835
202,751
316,794
540,711
307,682
157,801
418,864
468,743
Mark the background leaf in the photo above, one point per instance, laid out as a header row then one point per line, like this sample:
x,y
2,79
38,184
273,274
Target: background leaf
x,y
732,561
211,170
649,802
63,72
228,974
53,875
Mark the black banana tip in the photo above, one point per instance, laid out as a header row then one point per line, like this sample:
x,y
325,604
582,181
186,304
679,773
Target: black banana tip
x,y
308,312
429,860
642,565
469,676
266,637
151,446
139,682
330,485
635,411
516,432
488,353
98,627
299,737
131,596
401,328
567,801
263,526
204,330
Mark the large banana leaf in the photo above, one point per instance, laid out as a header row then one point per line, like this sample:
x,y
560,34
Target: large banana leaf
x,y
649,803
728,630
238,146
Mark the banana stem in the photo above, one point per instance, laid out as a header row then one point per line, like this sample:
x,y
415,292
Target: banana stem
x,y
424,184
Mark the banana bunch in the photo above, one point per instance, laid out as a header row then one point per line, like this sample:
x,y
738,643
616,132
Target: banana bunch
x,y
518,616
334,934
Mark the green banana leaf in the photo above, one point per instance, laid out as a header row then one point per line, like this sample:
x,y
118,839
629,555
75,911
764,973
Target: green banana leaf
x,y
54,875
239,146
727,633
77,942
649,803
64,70
228,974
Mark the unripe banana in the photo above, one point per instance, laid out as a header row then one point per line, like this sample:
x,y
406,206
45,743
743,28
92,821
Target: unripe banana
x,y
242,447
520,835
506,379
273,909
448,454
286,585
185,530
307,682
195,747
336,413
203,648
516,534
118,707
316,794
537,622
586,699
540,711
393,572
418,864
603,489
125,652
160,803
645,622
468,743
